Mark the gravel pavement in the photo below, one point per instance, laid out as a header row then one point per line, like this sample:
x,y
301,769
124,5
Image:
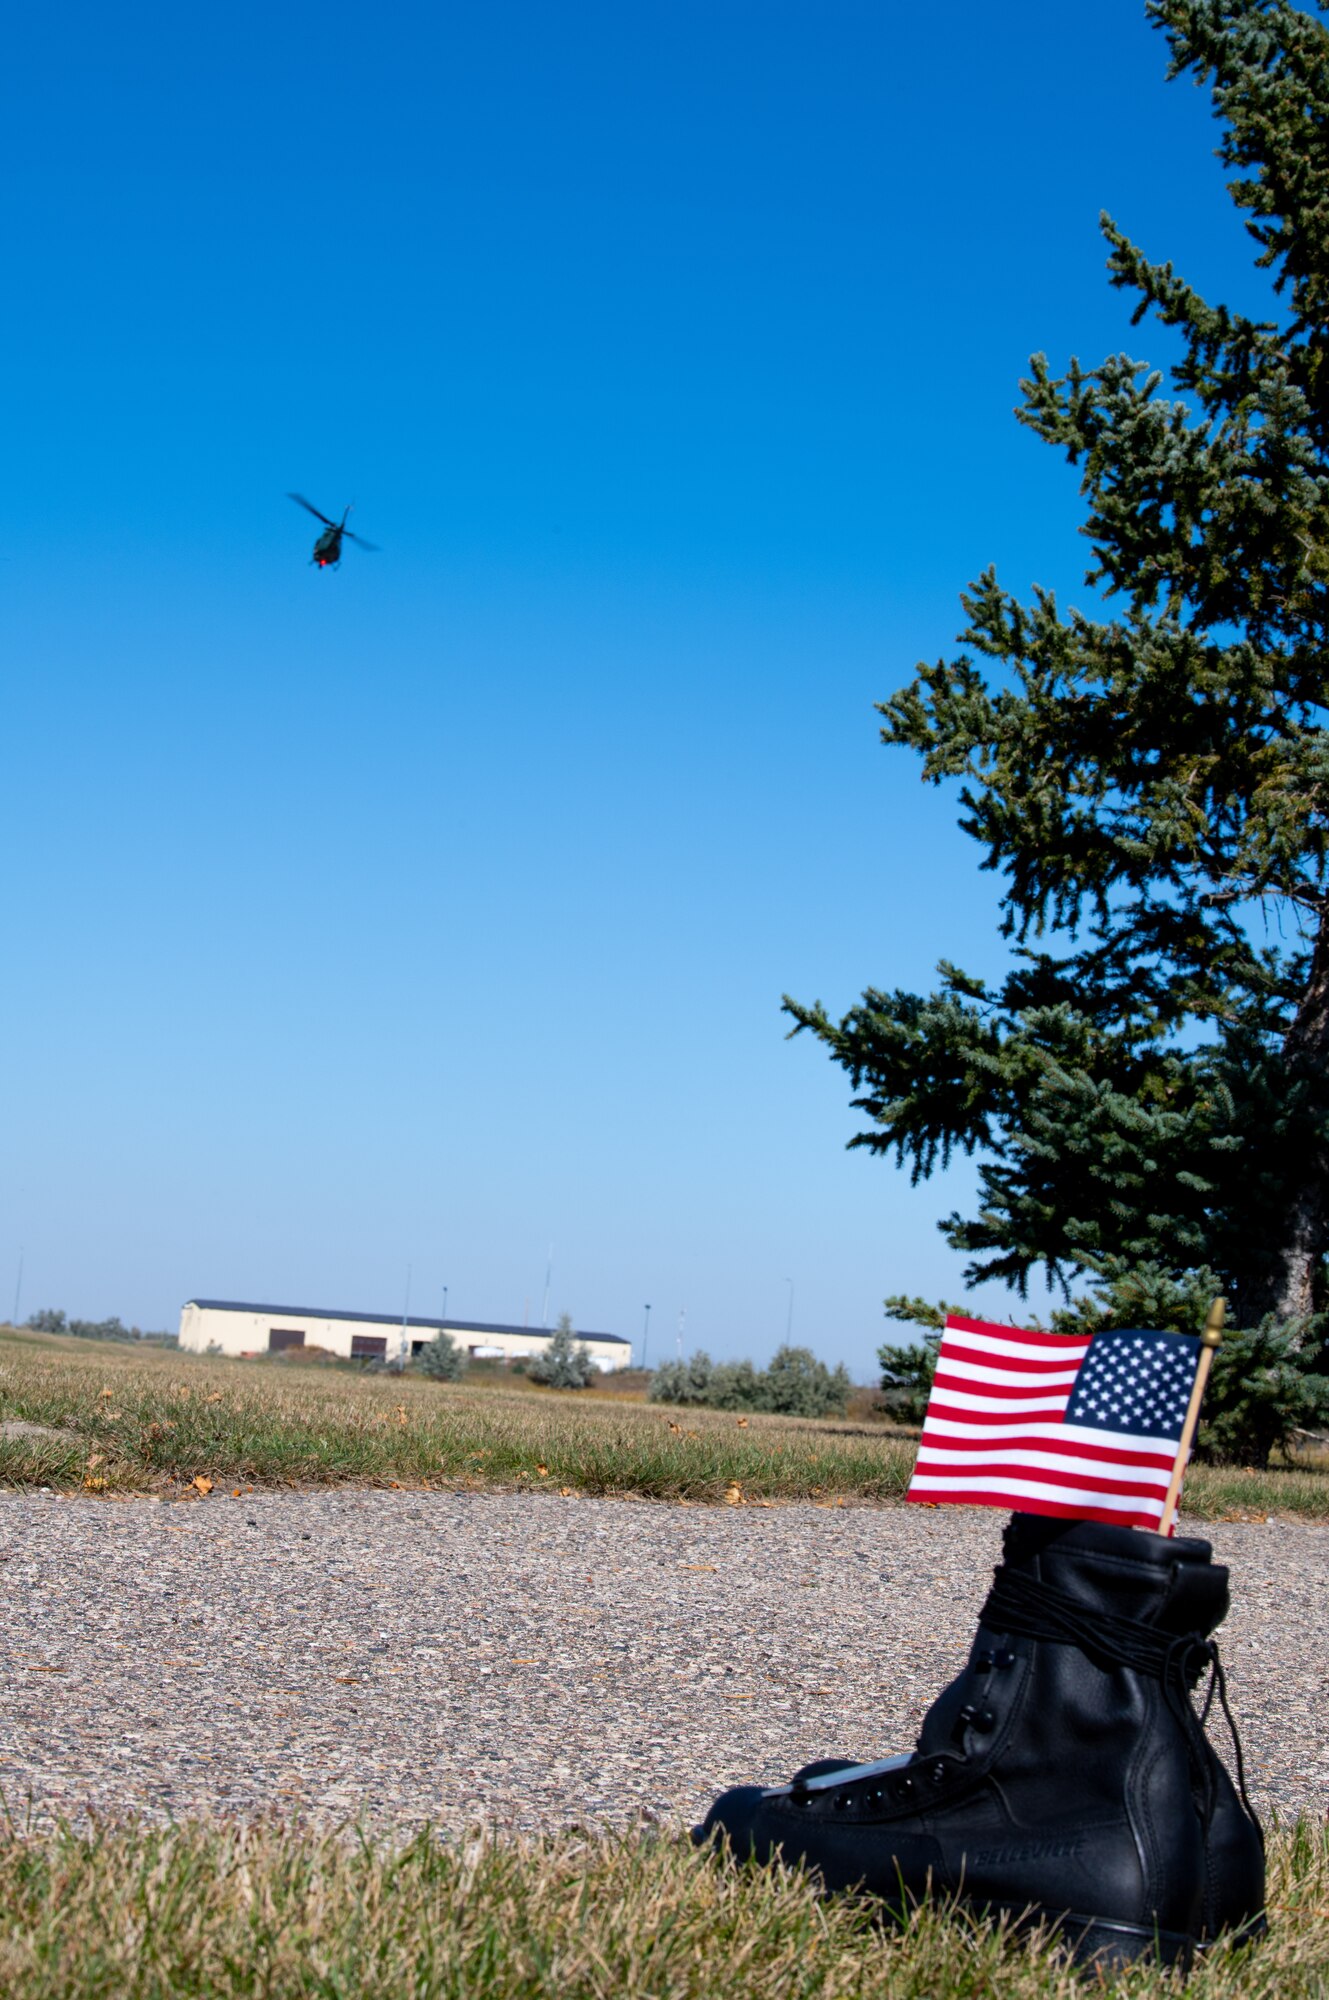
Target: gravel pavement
x,y
531,1660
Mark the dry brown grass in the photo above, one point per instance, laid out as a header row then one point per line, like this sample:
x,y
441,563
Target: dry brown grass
x,y
127,1419
227,1912
123,1419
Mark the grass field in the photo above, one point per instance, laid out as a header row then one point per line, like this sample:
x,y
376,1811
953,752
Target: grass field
x,y
226,1912
124,1419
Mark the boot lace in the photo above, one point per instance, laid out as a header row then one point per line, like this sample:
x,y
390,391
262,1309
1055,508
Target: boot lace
x,y
1018,1604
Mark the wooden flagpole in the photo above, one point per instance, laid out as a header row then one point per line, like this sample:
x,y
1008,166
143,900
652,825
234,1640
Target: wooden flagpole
x,y
1209,1340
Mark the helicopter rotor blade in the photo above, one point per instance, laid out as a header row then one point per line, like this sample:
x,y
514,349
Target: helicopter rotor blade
x,y
360,541
300,500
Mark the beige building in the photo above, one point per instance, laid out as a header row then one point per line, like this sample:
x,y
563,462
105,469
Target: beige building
x,y
229,1327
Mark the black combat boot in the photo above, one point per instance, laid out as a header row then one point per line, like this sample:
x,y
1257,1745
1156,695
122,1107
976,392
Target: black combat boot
x,y
1064,1775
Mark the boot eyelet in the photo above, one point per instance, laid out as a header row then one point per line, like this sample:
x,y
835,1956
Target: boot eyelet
x,y
904,1788
841,1801
938,1774
1004,1659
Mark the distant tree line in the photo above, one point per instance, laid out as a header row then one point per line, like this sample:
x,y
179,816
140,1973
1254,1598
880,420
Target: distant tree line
x,y
49,1321
795,1385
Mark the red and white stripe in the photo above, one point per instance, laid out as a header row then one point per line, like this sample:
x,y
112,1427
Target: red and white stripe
x,y
995,1436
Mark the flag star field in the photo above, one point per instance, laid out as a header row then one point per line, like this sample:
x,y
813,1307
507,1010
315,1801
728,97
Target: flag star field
x,y
1139,1382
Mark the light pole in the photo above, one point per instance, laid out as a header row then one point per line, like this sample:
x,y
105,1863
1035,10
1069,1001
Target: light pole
x,y
404,1356
444,1327
789,1319
645,1331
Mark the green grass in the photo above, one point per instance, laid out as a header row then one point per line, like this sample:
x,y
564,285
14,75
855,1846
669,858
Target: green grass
x,y
129,1420
231,1912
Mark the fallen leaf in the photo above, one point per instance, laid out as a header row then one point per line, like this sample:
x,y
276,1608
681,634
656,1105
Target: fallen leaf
x,y
94,1482
707,1566
346,1680
543,1471
565,1492
214,1398
742,1423
108,1392
204,1485
236,1494
733,1494
401,1413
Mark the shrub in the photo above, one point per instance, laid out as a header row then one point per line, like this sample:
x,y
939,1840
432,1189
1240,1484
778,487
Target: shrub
x,y
681,1381
795,1385
737,1385
565,1363
442,1359
798,1385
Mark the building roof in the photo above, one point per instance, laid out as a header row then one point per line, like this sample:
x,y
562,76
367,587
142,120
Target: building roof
x,y
394,1319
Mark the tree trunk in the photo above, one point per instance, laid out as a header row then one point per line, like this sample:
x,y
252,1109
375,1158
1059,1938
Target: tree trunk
x,y
1287,1280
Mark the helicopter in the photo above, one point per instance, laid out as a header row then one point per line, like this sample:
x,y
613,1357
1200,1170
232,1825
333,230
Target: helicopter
x,y
327,549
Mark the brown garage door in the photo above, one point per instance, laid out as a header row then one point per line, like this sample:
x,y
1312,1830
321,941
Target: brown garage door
x,y
368,1346
282,1337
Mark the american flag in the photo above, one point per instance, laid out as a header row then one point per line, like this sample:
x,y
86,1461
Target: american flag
x,y
1048,1425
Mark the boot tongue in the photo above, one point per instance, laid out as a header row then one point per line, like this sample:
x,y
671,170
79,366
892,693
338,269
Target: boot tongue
x,y
1123,1572
1174,1597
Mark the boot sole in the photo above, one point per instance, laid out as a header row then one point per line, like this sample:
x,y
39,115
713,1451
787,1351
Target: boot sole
x,y
1106,1942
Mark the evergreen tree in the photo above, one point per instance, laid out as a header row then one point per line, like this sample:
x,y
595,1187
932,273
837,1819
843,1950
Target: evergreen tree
x,y
564,1362
442,1359
1147,1089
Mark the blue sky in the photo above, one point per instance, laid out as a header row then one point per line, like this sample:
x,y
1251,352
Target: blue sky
x,y
427,914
